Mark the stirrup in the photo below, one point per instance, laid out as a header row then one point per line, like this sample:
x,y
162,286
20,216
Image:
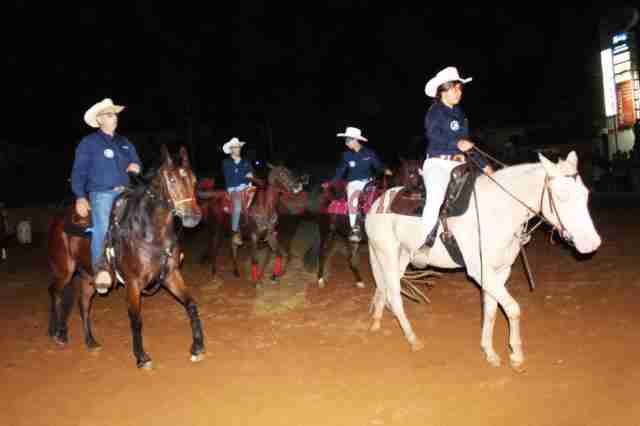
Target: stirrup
x,y
354,236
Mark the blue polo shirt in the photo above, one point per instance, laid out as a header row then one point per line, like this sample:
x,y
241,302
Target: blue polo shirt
x,y
444,127
101,163
358,165
235,173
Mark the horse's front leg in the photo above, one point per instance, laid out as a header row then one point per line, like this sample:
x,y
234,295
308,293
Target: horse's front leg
x,y
62,294
234,257
275,248
254,257
87,291
135,318
490,307
176,285
353,263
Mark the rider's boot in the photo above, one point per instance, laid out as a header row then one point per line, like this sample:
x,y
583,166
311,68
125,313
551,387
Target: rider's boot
x,y
237,238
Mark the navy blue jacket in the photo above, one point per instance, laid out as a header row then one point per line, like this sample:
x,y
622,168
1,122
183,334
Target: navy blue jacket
x,y
444,127
101,163
358,164
235,174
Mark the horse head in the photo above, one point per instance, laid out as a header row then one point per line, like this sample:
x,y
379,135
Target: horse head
x,y
283,179
566,204
409,175
178,184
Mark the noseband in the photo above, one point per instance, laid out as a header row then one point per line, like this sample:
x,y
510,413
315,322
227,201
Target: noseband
x,y
560,228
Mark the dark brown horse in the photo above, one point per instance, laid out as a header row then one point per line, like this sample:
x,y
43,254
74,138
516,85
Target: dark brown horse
x,y
143,252
332,223
258,222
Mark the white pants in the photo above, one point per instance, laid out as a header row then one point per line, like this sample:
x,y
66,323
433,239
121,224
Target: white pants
x,y
436,173
354,188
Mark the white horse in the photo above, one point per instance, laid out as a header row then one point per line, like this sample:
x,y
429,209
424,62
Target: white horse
x,y
554,190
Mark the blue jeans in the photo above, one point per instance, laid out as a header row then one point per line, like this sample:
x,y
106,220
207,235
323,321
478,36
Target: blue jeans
x,y
101,204
235,193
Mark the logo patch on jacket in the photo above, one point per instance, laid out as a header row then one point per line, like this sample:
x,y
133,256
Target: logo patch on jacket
x,y
108,153
352,163
455,126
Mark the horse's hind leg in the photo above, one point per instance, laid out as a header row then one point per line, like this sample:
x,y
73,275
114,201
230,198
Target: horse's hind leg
x,y
176,285
135,319
379,298
62,295
275,248
87,292
327,238
490,307
353,263
394,268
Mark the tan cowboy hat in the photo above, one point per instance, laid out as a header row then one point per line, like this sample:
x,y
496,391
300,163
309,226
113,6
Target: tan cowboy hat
x,y
353,132
104,106
444,76
226,148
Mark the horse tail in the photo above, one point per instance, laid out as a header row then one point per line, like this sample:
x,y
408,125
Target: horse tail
x,y
312,255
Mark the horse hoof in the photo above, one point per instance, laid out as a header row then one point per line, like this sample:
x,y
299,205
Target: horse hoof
x,y
94,347
360,284
375,326
197,358
417,345
275,279
145,365
60,341
518,368
321,283
494,360
102,290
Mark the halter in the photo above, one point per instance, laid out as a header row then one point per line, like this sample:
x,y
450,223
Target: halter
x,y
526,233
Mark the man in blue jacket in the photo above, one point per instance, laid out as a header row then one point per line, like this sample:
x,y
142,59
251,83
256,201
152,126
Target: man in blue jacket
x,y
99,175
237,174
357,162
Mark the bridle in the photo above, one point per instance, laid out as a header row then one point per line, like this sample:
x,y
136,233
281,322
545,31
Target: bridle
x,y
560,228
171,203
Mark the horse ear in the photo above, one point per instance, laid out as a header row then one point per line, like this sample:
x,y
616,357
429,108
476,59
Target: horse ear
x,y
185,157
572,159
548,165
166,157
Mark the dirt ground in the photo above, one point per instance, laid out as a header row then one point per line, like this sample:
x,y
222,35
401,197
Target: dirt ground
x,y
293,354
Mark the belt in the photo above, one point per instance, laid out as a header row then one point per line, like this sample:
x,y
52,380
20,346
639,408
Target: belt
x,y
450,157
118,188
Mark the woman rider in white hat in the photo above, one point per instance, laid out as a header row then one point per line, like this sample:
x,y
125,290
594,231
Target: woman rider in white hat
x,y
447,135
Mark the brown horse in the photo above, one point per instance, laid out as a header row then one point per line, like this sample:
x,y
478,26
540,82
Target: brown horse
x,y
258,222
332,223
143,252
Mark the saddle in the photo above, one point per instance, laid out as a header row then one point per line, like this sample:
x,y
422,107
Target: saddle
x,y
340,204
411,202
79,226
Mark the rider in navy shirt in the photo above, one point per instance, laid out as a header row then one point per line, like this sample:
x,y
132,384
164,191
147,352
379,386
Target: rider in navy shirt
x,y
100,172
447,133
358,164
237,174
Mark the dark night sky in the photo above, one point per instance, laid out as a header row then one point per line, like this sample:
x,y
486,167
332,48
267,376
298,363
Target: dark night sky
x,y
308,70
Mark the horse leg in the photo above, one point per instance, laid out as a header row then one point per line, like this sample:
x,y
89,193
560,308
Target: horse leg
x,y
134,308
490,307
394,268
353,263
254,257
176,285
234,256
379,298
87,292
62,294
496,287
275,248
216,231
327,237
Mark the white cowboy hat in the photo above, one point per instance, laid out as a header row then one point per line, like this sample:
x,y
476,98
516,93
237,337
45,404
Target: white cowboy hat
x,y
444,76
104,106
353,132
226,148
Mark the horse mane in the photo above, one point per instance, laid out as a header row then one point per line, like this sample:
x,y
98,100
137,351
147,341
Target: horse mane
x,y
512,172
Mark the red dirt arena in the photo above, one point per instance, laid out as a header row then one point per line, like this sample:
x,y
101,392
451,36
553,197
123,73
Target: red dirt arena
x,y
294,354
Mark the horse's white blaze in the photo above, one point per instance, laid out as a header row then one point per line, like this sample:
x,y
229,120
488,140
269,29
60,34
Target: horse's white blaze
x,y
394,241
